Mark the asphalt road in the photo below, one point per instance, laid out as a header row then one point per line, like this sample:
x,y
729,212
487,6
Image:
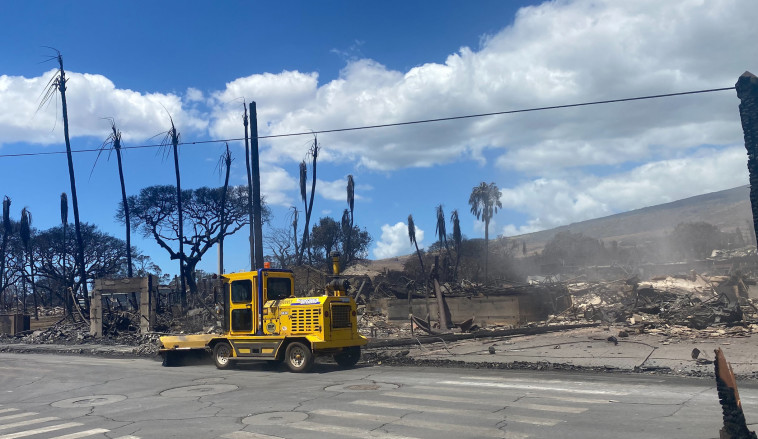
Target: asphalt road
x,y
68,397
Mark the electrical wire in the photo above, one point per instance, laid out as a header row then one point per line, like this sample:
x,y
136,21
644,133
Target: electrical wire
x,y
394,124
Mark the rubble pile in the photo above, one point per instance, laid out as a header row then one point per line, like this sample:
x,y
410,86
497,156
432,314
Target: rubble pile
x,y
693,301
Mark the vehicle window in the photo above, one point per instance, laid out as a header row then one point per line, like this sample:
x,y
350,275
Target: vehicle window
x,y
279,288
242,320
242,291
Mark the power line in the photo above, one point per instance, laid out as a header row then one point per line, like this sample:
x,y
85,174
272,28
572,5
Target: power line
x,y
395,124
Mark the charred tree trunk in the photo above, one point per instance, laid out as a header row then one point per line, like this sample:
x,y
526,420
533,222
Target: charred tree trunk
x,y
117,147
182,284
747,91
72,180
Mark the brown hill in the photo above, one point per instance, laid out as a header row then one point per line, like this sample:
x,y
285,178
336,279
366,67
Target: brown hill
x,y
727,210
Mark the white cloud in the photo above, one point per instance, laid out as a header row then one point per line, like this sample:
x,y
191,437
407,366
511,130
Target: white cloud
x,y
332,190
551,202
395,242
548,56
194,95
275,185
90,98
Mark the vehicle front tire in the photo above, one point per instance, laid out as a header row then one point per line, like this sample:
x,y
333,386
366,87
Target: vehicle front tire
x,y
222,355
298,357
348,357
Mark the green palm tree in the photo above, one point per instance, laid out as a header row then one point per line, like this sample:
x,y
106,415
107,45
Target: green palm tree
x,y
484,202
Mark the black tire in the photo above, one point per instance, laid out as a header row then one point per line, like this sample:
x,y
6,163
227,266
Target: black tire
x,y
348,357
298,357
222,355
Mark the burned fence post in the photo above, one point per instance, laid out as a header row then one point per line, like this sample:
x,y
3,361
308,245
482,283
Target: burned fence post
x,y
735,425
96,312
747,92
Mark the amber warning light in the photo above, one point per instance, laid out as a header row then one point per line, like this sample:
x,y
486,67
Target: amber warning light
x,y
267,265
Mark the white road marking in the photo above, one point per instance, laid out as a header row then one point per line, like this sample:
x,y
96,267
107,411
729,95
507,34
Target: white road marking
x,y
532,387
248,435
25,423
22,369
16,416
357,415
436,398
572,399
345,431
128,437
465,429
40,430
430,409
533,421
548,408
478,390
427,425
85,433
460,412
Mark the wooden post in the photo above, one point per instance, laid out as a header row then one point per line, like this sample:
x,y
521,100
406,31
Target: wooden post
x,y
147,305
96,314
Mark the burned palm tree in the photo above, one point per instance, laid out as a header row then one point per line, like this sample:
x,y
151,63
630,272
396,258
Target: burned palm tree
x,y
58,84
313,152
7,229
441,229
113,143
64,223
457,239
295,216
171,138
25,232
225,161
351,205
412,237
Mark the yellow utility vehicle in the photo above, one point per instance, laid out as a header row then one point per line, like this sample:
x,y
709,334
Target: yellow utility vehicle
x,y
263,320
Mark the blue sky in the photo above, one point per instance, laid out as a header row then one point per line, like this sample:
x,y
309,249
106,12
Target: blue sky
x,y
324,65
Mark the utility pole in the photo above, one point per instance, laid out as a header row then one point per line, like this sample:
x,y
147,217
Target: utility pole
x,y
257,214
250,186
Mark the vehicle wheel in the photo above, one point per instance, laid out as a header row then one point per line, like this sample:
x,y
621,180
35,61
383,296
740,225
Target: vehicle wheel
x,y
298,357
222,355
348,357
